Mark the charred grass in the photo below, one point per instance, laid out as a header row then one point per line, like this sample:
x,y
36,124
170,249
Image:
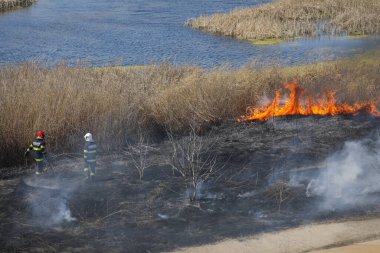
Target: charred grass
x,y
294,18
115,103
118,212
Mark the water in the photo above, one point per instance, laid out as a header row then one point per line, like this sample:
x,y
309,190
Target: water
x,y
138,32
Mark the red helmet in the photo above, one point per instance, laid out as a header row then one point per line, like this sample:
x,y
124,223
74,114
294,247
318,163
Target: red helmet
x,y
41,134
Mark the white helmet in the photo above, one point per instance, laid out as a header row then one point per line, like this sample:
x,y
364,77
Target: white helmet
x,y
88,137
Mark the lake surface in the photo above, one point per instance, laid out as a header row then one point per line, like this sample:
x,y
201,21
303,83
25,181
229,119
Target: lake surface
x,y
138,32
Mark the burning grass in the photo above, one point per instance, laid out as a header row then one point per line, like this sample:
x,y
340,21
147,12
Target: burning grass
x,y
297,105
6,5
114,103
293,18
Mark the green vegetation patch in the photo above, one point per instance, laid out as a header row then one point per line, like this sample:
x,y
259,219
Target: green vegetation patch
x,y
264,42
131,67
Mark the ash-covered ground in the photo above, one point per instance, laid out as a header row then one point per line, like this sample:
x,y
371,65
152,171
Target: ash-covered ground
x,y
265,177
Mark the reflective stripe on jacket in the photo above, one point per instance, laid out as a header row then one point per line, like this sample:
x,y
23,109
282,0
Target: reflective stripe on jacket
x,y
90,151
39,149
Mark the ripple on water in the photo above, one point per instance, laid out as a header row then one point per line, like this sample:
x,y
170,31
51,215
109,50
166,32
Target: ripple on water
x,y
144,32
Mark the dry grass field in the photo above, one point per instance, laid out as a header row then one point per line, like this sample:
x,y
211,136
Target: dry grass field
x,y
288,19
113,103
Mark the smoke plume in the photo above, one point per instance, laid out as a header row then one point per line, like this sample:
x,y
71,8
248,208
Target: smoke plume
x,y
350,177
48,201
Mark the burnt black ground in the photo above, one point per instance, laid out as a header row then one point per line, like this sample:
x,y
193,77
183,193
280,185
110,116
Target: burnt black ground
x,y
120,213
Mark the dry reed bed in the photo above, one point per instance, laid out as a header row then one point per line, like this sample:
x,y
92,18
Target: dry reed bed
x,y
293,18
6,5
113,103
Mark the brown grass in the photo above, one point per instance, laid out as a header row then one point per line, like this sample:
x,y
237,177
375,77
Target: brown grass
x,y
293,18
113,103
6,5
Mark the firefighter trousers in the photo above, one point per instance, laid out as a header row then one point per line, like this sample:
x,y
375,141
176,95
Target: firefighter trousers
x,y
40,167
90,167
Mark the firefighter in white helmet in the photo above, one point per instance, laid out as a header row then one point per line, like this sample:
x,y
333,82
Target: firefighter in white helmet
x,y
89,155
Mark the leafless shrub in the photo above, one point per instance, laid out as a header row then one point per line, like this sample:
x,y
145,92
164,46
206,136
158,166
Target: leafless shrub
x,y
280,191
138,153
193,159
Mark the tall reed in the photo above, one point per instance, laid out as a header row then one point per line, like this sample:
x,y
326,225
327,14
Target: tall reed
x,y
6,5
294,18
113,103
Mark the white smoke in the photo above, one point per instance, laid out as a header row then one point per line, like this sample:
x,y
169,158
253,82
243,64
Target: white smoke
x,y
63,213
350,177
48,201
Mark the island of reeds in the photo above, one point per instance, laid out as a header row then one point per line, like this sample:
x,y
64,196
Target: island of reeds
x,y
288,19
6,5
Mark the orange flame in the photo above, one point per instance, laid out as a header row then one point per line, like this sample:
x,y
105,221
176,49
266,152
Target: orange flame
x,y
295,105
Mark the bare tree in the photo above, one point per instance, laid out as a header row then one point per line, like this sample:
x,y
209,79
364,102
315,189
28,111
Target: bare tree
x,y
193,158
138,153
280,191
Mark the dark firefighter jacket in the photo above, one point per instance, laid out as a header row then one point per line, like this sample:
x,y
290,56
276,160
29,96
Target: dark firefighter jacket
x,y
39,150
90,151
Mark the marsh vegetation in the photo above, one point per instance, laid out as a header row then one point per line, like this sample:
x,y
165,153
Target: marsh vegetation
x,y
67,102
175,167
6,5
287,19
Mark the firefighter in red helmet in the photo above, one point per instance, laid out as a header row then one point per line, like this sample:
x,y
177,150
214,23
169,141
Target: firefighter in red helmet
x,y
39,151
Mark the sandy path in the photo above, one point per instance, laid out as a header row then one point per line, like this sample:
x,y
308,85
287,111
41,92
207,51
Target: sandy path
x,y
365,247
301,239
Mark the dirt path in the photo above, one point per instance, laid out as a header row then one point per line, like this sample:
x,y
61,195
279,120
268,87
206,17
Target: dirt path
x,y
304,239
365,247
